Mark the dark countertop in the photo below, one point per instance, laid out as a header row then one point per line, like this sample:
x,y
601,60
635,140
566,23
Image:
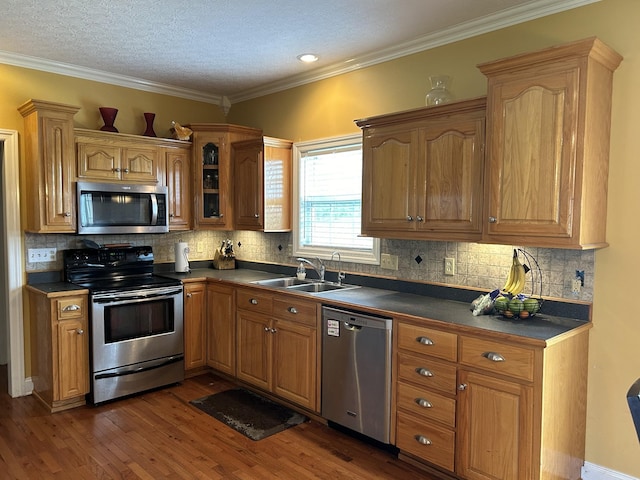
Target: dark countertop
x,y
455,313
58,287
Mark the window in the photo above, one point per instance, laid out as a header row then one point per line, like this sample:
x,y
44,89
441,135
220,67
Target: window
x,y
328,187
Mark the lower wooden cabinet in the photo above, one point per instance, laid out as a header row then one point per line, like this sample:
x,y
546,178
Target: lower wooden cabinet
x,y
481,408
195,327
277,345
221,328
59,347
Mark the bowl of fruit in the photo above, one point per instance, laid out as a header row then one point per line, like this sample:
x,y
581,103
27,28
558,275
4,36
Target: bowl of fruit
x,y
511,302
518,306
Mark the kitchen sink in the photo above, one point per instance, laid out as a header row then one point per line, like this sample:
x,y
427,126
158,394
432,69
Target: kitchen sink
x,y
311,286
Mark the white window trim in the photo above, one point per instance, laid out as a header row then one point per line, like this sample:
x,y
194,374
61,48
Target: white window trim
x,y
369,258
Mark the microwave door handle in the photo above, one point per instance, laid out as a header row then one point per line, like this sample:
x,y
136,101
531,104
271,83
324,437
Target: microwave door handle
x,y
154,209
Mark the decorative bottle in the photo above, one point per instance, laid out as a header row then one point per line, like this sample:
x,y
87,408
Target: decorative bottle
x,y
302,272
439,92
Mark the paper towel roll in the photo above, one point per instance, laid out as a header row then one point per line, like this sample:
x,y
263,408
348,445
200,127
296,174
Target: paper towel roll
x,y
182,257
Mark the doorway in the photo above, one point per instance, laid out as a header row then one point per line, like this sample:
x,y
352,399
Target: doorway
x,y
12,272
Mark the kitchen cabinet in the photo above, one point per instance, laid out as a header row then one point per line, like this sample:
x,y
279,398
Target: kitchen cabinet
x,y
484,408
422,172
548,126
48,171
195,349
262,184
178,178
59,347
116,157
213,182
278,345
221,328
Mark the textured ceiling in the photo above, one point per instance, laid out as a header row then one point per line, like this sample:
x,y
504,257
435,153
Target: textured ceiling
x,y
241,48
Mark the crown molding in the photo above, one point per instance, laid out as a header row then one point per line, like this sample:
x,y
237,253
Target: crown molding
x,y
506,18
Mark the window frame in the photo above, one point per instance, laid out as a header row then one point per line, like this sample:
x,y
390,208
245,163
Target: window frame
x,y
371,257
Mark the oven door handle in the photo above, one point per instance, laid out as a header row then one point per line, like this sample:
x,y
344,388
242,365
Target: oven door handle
x,y
128,298
132,371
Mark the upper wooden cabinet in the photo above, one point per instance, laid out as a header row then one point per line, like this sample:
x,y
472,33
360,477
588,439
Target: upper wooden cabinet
x,y
262,184
422,172
48,170
548,122
213,188
116,157
178,175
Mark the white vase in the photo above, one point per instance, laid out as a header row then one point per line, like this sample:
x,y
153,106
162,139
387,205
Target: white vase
x,y
439,92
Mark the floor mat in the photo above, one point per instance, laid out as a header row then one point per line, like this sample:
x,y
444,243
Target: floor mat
x,y
248,413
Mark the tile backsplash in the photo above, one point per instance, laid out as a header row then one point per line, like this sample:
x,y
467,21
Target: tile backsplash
x,y
476,265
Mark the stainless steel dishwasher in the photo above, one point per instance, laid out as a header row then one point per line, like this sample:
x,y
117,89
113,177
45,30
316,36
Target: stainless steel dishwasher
x,y
356,372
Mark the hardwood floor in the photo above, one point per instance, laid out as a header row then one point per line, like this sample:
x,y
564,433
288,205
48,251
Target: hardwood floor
x,y
158,435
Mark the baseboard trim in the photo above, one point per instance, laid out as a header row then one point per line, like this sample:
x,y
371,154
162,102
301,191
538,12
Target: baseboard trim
x,y
591,471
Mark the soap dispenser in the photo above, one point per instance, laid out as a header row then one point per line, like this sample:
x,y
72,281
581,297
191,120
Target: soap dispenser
x,y
301,273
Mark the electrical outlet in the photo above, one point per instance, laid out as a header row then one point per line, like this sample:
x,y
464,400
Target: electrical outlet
x,y
449,266
576,284
42,255
200,247
389,262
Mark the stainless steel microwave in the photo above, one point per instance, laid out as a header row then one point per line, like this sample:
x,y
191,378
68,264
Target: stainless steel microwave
x,y
105,208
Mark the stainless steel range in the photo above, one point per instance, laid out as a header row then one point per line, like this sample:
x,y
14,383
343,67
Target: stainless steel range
x,y
136,322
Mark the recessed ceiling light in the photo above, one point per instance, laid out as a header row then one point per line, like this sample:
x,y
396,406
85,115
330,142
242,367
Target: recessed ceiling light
x,y
308,57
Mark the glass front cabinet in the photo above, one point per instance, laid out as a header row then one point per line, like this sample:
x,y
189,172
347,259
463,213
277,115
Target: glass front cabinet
x,y
212,172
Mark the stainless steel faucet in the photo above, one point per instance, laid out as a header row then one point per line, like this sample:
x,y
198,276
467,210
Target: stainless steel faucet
x,y
320,268
341,274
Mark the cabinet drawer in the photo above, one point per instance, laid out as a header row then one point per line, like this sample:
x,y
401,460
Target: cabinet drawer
x,y
71,307
427,404
429,442
429,373
295,310
428,341
254,301
497,357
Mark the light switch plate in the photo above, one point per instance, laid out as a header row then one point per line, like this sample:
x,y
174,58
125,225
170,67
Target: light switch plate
x,y
35,255
389,262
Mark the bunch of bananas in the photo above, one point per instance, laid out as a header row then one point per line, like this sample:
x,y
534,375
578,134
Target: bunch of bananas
x,y
516,279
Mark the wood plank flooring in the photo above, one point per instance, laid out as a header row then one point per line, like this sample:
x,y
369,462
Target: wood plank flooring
x,y
158,435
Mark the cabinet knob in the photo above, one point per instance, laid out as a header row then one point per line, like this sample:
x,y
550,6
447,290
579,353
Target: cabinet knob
x,y
67,214
419,218
266,329
293,310
424,372
462,386
171,215
273,330
79,331
253,301
409,218
256,215
423,440
493,356
493,219
126,170
424,340
188,295
221,215
423,402
117,170
71,308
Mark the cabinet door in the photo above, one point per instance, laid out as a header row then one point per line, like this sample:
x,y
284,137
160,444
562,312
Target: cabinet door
x,y
294,359
211,178
451,167
388,194
194,325
532,158
248,175
254,349
73,359
221,329
140,164
98,161
495,429
179,186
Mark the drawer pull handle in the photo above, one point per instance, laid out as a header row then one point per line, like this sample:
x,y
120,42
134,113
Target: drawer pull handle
x,y
253,301
493,356
71,308
423,440
424,372
424,403
424,340
79,331
293,310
